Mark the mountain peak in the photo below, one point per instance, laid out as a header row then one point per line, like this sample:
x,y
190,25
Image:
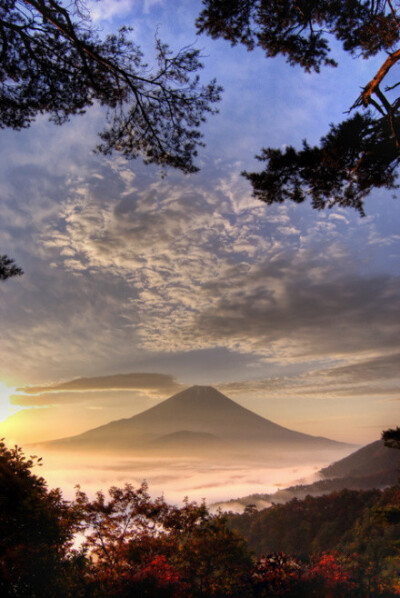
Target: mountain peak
x,y
200,397
199,412
200,389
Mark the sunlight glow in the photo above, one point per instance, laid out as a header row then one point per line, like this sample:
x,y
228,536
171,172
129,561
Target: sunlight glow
x,y
6,408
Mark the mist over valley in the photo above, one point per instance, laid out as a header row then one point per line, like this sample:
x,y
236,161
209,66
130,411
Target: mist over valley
x,y
198,443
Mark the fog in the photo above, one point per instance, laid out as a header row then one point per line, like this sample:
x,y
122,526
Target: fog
x,y
177,478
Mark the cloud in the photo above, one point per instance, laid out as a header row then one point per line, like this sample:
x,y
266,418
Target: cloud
x,y
376,378
107,10
385,367
125,268
283,312
174,479
94,400
218,273
129,391
153,382
166,266
148,381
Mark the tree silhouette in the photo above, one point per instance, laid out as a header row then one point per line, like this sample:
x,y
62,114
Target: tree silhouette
x,y
53,61
391,437
8,268
36,531
362,152
146,547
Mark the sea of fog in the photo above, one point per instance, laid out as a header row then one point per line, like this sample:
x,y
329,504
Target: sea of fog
x,y
178,478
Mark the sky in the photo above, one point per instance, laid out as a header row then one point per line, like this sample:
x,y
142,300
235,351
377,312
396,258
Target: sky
x,y
139,283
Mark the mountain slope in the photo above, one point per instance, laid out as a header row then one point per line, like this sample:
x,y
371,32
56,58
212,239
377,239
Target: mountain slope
x,y
372,466
197,410
375,458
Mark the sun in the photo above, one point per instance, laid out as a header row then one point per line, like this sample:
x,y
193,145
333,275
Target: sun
x,y
6,408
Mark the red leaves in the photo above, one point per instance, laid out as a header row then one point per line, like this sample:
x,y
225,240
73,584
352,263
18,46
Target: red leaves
x,y
330,568
330,575
160,578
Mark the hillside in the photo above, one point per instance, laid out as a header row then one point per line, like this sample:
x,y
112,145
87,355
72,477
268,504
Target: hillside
x,y
336,521
375,458
372,466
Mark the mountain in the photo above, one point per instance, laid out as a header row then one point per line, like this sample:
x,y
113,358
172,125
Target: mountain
x,y
372,466
187,441
373,459
200,418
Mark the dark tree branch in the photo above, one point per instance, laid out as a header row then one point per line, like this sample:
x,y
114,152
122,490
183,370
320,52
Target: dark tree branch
x,y
51,63
360,153
370,88
8,268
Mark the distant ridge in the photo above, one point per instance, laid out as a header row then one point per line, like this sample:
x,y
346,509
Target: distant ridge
x,y
198,416
372,466
374,458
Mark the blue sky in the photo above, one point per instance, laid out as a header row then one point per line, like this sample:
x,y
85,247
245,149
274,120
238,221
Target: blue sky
x,y
188,279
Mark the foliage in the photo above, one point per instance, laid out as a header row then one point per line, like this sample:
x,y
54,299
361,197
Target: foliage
x,y
157,578
356,155
356,532
8,268
36,532
133,545
53,61
303,527
139,542
375,538
277,574
328,574
391,437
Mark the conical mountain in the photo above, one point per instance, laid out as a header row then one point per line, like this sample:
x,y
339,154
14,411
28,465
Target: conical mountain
x,y
200,414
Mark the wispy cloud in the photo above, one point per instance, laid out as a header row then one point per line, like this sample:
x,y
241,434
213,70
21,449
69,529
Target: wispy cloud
x,y
166,266
207,269
369,378
148,382
107,10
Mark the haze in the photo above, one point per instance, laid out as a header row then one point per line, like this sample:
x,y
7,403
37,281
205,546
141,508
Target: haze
x,y
176,478
197,443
